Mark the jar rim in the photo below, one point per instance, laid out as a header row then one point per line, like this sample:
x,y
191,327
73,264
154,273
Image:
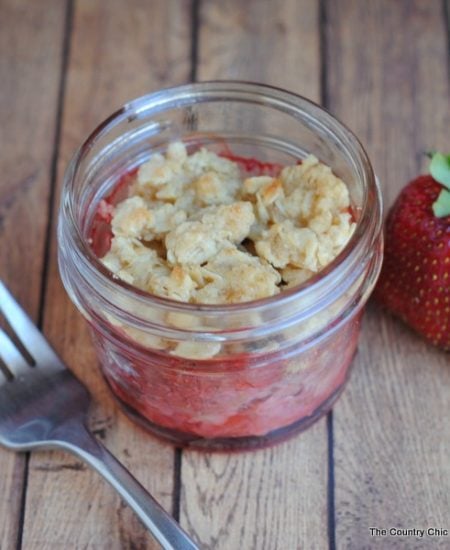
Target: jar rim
x,y
191,94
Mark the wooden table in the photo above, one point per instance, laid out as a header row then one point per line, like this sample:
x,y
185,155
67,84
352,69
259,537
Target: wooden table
x,y
382,457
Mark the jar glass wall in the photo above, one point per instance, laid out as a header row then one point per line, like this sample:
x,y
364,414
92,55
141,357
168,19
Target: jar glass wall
x,y
236,375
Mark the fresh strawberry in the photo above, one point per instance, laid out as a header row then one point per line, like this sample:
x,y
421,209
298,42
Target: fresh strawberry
x,y
415,278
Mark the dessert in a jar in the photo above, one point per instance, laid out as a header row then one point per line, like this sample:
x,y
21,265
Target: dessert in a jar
x,y
223,270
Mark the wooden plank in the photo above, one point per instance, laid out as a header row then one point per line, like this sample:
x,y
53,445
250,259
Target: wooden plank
x,y
277,45
31,38
117,52
387,75
273,498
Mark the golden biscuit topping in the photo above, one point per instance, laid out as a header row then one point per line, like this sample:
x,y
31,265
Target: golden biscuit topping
x,y
195,230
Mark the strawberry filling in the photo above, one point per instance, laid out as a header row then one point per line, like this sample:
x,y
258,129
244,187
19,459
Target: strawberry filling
x,y
229,397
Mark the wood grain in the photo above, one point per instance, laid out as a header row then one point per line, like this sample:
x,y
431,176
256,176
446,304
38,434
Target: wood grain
x,y
117,52
388,80
31,38
274,44
267,499
386,76
274,498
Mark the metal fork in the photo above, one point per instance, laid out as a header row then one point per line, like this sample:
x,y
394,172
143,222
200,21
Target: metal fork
x,y
44,406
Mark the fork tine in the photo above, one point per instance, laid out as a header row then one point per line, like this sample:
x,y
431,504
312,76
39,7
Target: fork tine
x,y
3,378
24,328
11,356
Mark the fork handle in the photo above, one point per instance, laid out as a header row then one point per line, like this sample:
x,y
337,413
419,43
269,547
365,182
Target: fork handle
x,y
163,527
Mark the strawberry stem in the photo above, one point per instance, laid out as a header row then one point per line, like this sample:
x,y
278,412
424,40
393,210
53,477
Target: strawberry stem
x,y
440,171
441,207
440,168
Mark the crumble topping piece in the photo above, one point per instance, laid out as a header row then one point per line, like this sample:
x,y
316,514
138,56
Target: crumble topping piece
x,y
195,230
195,242
196,350
135,217
235,276
285,244
134,263
293,276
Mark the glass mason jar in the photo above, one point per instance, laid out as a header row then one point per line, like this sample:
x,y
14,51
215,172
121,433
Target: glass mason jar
x,y
222,376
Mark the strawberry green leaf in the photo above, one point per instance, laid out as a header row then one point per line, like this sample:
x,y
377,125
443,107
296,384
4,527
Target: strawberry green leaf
x,y
441,207
440,168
